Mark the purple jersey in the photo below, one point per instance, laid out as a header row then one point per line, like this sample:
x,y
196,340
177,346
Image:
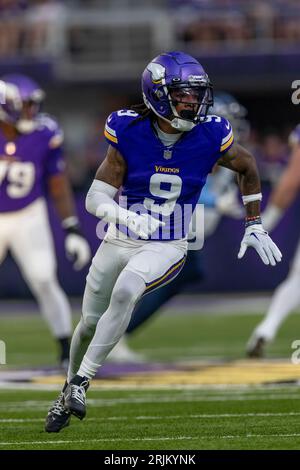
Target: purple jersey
x,y
27,162
166,181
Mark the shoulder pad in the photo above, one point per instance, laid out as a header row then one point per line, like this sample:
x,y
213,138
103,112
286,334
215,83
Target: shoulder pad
x,y
222,129
116,122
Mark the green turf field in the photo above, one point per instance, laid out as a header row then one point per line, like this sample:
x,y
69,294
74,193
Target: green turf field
x,y
153,419
234,417
166,337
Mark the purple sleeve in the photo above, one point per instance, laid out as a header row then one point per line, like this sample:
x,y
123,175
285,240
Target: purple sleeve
x,y
227,138
115,126
110,130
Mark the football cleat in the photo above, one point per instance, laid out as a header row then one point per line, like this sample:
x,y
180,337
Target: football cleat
x,y
58,417
256,347
74,396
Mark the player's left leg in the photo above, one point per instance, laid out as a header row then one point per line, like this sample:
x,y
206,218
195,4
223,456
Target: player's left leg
x,y
285,299
33,250
148,268
150,304
191,272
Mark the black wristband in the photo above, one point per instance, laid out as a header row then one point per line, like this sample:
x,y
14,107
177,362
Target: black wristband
x,y
75,229
71,225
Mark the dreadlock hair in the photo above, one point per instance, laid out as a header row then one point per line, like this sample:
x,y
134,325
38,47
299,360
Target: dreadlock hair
x,y
143,112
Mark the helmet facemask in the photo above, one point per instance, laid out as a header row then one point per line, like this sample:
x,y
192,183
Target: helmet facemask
x,y
194,101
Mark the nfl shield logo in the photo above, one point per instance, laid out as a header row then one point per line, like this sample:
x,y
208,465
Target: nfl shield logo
x,y
167,154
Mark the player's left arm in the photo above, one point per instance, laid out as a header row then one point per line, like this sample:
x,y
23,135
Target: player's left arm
x,y
238,159
77,248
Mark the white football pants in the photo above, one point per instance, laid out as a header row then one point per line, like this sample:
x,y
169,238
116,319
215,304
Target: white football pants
x,y
118,277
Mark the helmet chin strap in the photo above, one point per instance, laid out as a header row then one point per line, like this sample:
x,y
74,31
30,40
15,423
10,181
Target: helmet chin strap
x,y
182,124
177,123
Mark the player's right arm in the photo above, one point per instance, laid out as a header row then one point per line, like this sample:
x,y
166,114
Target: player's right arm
x,y
285,192
100,198
113,169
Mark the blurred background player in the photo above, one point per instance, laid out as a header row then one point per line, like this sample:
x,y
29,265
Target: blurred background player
x,y
32,164
286,297
220,198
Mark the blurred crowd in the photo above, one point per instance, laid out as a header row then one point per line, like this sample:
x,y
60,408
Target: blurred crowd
x,y
31,27
207,22
38,27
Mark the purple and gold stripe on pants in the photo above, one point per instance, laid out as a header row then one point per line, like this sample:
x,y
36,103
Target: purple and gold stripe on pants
x,y
166,277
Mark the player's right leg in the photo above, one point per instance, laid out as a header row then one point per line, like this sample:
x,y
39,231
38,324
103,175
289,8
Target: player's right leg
x,y
105,268
285,299
58,417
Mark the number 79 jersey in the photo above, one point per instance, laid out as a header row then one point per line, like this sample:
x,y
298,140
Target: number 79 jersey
x,y
27,162
166,182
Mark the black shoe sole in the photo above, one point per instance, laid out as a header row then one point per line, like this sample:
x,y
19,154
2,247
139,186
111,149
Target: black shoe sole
x,y
258,351
65,425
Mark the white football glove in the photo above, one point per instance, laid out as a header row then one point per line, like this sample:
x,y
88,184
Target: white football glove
x,y
228,204
143,225
259,239
77,248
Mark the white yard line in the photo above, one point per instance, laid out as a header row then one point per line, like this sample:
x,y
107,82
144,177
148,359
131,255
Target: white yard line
x,y
38,405
176,438
121,439
163,417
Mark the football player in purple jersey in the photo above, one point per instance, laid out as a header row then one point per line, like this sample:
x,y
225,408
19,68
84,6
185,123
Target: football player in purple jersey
x,y
31,163
286,297
160,153
219,197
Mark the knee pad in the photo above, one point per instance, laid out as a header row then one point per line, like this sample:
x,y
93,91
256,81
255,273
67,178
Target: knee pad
x,y
123,295
90,321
